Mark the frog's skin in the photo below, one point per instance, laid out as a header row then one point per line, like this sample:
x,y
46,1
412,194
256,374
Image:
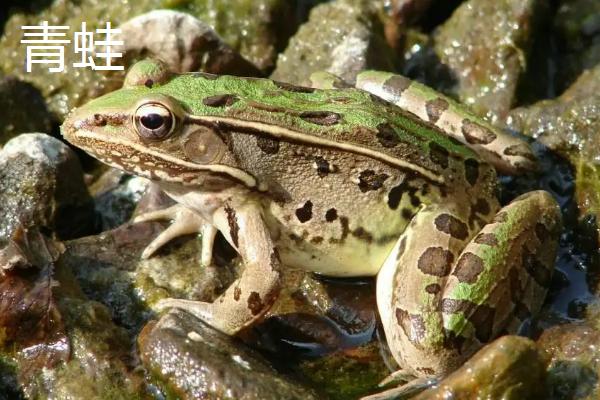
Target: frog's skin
x,y
342,183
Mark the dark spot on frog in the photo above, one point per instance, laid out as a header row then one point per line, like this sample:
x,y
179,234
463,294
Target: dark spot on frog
x,y
323,118
486,238
433,288
268,146
516,290
323,166
396,85
99,120
481,316
149,83
344,224
468,268
471,171
412,325
293,88
316,240
395,195
362,234
255,304
436,261
304,213
476,134
275,260
435,108
369,180
237,292
387,135
481,207
331,215
220,100
521,150
407,213
542,232
540,273
452,226
426,370
438,154
233,225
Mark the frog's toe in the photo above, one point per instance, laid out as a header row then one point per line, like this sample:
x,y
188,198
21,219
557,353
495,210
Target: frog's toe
x,y
406,390
199,309
184,222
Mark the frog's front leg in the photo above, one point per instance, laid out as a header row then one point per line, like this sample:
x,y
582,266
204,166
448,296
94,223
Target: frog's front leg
x,y
252,294
441,295
184,222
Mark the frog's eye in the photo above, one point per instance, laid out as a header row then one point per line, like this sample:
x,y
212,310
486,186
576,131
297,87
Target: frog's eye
x,y
154,121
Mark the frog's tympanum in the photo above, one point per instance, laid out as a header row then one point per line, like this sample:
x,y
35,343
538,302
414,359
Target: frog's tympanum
x,y
388,179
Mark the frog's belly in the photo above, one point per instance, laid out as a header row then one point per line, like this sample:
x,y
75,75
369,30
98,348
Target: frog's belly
x,y
351,259
343,247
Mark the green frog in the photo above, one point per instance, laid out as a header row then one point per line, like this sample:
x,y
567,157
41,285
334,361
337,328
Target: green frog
x,y
386,178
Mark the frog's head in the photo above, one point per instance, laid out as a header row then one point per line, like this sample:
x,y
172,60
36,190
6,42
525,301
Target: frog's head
x,y
146,128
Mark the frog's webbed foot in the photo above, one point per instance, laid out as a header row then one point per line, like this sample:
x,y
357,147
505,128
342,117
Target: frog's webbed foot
x,y
185,221
406,390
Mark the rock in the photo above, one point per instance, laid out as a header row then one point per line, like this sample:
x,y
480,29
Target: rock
x,y
41,184
576,29
342,37
116,195
569,126
23,109
195,361
484,44
510,368
574,366
183,42
347,374
110,270
62,345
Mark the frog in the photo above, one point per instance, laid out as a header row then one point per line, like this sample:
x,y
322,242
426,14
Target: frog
x,y
384,178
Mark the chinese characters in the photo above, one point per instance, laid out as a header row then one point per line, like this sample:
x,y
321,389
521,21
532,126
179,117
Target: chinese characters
x,y
45,45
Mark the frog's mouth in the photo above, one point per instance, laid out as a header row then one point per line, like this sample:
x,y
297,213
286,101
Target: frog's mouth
x,y
146,162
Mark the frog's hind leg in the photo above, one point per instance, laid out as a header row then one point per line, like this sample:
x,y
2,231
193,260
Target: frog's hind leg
x,y
506,153
444,291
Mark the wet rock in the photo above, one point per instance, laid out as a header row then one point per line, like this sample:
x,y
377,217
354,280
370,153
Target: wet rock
x,y
41,184
484,44
23,109
509,368
569,126
576,28
347,374
116,195
110,270
574,368
342,37
60,345
195,361
183,42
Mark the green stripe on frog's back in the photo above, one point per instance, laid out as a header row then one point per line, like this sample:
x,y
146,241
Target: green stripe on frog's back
x,y
349,119
507,153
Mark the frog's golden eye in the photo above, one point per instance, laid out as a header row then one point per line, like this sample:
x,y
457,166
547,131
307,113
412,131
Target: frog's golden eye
x,y
153,121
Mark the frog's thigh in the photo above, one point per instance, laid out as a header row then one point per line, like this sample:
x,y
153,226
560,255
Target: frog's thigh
x,y
502,273
505,270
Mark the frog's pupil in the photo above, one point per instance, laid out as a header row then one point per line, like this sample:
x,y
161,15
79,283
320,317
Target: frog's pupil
x,y
153,121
